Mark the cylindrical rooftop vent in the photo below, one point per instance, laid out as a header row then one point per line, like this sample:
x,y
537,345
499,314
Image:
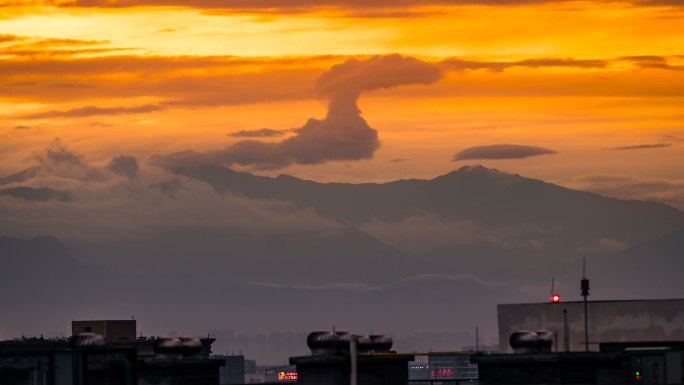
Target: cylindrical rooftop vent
x,y
87,340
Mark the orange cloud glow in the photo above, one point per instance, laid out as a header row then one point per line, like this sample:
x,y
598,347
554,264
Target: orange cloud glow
x,y
163,76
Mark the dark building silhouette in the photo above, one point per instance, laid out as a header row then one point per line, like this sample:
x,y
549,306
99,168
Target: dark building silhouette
x,y
333,357
618,363
111,330
608,321
627,344
91,359
87,360
233,372
551,368
179,361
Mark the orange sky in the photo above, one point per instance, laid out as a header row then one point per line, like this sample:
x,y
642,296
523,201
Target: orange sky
x,y
600,83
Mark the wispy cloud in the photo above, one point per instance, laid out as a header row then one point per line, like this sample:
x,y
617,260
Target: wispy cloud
x,y
87,111
652,62
501,151
672,138
646,146
499,66
260,133
32,47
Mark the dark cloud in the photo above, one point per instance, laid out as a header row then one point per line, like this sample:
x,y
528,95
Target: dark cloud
x,y
501,151
100,124
261,133
94,110
168,187
643,146
20,127
561,62
125,165
20,176
652,62
399,160
58,160
342,135
461,64
36,194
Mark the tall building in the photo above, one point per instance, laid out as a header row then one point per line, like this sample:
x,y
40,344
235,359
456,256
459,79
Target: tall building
x,y
233,372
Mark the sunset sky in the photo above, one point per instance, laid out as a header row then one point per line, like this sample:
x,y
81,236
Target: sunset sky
x,y
590,93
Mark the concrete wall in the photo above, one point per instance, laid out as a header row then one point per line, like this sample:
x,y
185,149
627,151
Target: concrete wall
x,y
609,321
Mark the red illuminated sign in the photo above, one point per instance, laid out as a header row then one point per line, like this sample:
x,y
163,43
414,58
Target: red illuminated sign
x,y
442,373
288,376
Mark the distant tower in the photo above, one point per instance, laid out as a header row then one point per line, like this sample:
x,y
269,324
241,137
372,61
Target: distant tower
x,y
585,294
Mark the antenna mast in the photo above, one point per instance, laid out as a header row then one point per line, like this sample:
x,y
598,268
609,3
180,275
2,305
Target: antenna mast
x,y
585,294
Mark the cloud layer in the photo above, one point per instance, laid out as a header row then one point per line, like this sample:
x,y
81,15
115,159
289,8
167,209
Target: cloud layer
x,y
667,190
67,196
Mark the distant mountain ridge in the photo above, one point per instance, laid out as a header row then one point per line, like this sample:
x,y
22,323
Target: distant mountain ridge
x,y
474,193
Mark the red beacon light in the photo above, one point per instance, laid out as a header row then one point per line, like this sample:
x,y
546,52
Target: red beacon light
x,y
555,298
